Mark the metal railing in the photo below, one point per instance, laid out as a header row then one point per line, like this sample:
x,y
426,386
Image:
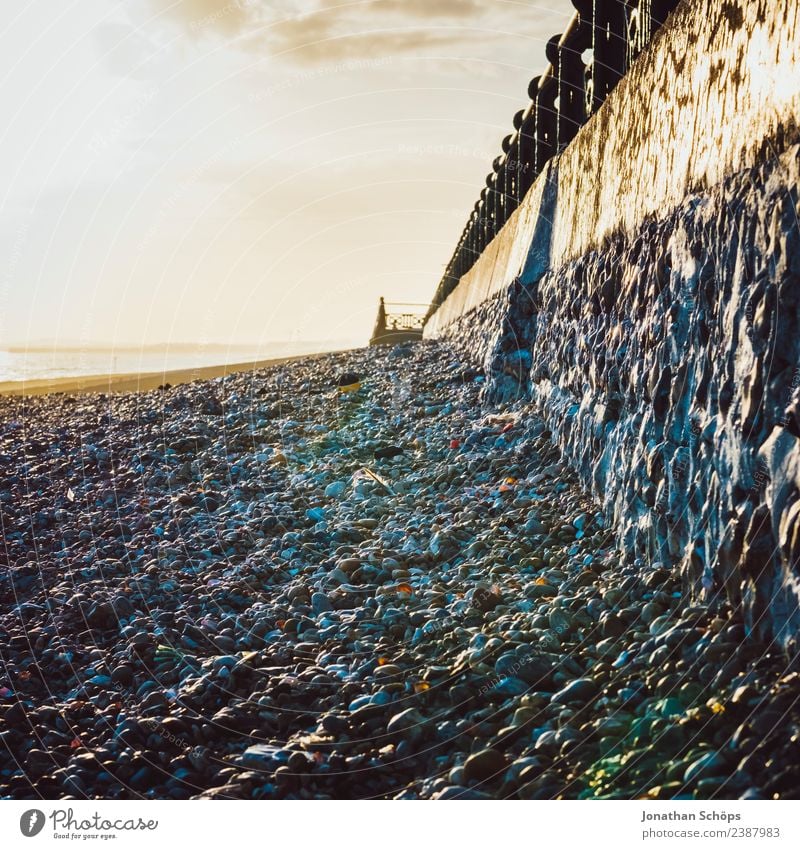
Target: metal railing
x,y
562,99
399,318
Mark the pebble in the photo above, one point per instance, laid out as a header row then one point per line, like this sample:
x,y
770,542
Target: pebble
x,y
409,724
320,603
581,690
335,489
510,687
710,764
207,596
485,765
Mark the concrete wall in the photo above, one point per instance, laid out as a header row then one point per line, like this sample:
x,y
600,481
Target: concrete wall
x,y
523,245
646,298
715,92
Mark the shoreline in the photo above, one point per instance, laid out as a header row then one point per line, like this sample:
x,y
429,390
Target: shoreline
x,y
144,382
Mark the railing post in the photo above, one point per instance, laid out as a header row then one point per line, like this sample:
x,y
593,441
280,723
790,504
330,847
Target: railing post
x,y
510,172
527,151
565,53
498,185
517,153
552,53
546,119
585,9
637,23
460,254
484,222
480,223
489,210
609,48
472,240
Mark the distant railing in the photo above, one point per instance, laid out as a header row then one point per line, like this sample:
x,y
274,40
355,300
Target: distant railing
x,y
392,323
562,99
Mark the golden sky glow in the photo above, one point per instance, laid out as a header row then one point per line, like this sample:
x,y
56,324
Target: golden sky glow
x,y
241,171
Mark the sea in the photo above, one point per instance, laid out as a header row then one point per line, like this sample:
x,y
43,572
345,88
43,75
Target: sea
x,y
41,362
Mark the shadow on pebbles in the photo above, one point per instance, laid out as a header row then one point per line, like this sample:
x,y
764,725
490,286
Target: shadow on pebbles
x,y
260,587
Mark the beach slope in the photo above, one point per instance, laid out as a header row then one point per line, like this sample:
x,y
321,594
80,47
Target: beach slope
x,y
260,588
136,382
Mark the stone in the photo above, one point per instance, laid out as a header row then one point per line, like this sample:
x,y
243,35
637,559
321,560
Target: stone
x,y
122,675
560,621
408,724
534,670
39,762
486,765
485,600
710,764
510,687
580,690
661,624
612,625
320,603
335,489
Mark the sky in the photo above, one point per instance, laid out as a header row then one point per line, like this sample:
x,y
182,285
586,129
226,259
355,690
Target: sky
x,y
245,171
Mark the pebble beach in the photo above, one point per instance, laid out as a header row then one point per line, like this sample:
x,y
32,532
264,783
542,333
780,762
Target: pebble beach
x,y
260,587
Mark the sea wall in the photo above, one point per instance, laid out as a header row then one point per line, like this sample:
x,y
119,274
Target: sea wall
x,y
646,299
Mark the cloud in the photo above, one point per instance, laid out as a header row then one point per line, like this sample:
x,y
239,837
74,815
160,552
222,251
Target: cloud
x,y
335,31
325,41
311,32
432,8
227,17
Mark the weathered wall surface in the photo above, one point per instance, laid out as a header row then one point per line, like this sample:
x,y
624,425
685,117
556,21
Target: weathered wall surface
x,y
718,87
652,315
667,366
